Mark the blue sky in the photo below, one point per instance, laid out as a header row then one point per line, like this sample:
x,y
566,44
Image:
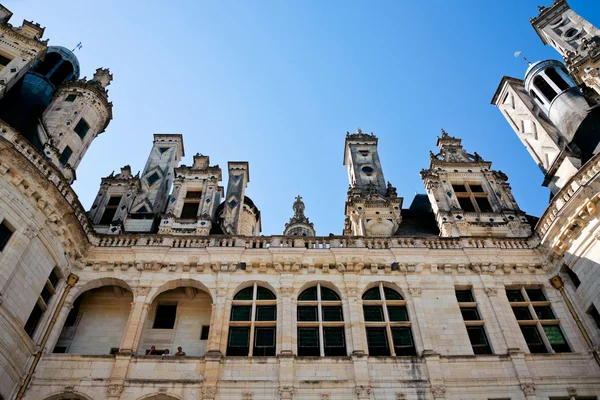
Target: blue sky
x,y
278,84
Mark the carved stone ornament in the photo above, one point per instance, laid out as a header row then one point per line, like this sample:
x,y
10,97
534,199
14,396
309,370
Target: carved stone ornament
x,y
141,290
439,391
491,291
325,397
209,392
287,290
571,391
415,291
528,389
363,392
286,393
69,389
400,396
247,396
115,390
31,231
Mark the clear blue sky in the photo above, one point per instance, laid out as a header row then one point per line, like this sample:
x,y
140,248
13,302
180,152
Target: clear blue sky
x,y
278,83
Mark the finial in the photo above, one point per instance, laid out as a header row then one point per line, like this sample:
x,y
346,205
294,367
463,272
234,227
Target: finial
x,y
359,131
431,155
444,133
541,8
520,53
77,47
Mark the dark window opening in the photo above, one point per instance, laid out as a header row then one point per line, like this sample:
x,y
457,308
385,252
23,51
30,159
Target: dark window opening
x,y
193,195
533,339
522,313
59,350
544,312
33,320
459,188
266,313
557,79
332,313
72,317
71,97
536,295
307,313
309,294
377,342
5,234
241,313
113,351
479,340
308,342
334,342
205,330
573,276
544,87
190,210
403,342
264,294
397,313
595,315
329,295
556,339
464,296
484,204
244,294
49,62
470,314
46,294
165,316
4,61
81,128
65,155
264,342
373,313
372,294
476,188
153,178
110,210
54,278
466,204
391,294
239,341
514,295
61,73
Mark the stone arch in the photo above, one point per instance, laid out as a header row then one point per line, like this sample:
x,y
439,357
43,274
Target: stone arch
x,y
68,396
95,284
160,396
177,283
387,284
264,284
324,283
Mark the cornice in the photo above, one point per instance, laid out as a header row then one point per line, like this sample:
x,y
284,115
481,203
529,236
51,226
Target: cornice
x,y
9,30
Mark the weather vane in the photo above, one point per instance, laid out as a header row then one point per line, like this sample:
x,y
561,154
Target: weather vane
x,y
519,53
78,47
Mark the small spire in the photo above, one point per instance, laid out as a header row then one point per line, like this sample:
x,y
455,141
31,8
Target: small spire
x,y
444,133
103,77
359,131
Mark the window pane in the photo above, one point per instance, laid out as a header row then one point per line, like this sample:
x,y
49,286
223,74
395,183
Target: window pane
x,y
72,317
204,332
309,294
535,294
391,294
241,313
329,295
189,210
65,155
372,294
373,313
484,204
34,318
377,342
595,315
264,337
153,178
479,340
46,294
573,276
71,97
266,313
239,341
464,296
466,204
476,188
114,200
402,337
522,313
193,194
308,342
5,234
335,341
244,294
165,316
514,295
470,314
307,313
264,294
332,313
544,313
556,338
459,188
533,339
397,313
82,128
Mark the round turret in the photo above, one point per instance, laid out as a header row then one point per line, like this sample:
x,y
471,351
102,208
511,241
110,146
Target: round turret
x,y
553,89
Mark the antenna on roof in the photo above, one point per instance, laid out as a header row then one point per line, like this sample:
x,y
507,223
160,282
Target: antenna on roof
x,y
77,47
519,53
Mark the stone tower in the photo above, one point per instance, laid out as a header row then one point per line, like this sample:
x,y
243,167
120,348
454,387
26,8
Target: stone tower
x,y
372,208
238,215
194,200
468,197
156,181
574,38
299,224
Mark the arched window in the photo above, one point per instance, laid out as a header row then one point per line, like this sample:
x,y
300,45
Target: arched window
x,y
49,62
386,319
252,323
64,70
557,79
544,87
320,323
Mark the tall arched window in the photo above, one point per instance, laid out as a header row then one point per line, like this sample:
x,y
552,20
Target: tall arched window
x,y
252,323
544,87
386,319
557,79
320,323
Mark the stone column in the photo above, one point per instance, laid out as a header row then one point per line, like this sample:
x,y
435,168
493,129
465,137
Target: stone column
x,y
135,322
357,325
217,322
287,321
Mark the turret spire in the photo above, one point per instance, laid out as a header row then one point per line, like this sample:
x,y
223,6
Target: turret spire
x,y
299,225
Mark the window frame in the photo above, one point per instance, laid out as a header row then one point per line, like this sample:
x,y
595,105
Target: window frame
x,y
474,323
11,231
320,323
110,207
387,324
535,321
472,196
191,201
253,323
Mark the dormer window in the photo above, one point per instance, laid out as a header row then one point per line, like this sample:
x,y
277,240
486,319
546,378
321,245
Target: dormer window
x,y
472,198
191,204
4,61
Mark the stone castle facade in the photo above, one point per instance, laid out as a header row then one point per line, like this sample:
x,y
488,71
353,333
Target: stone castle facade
x,y
460,295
